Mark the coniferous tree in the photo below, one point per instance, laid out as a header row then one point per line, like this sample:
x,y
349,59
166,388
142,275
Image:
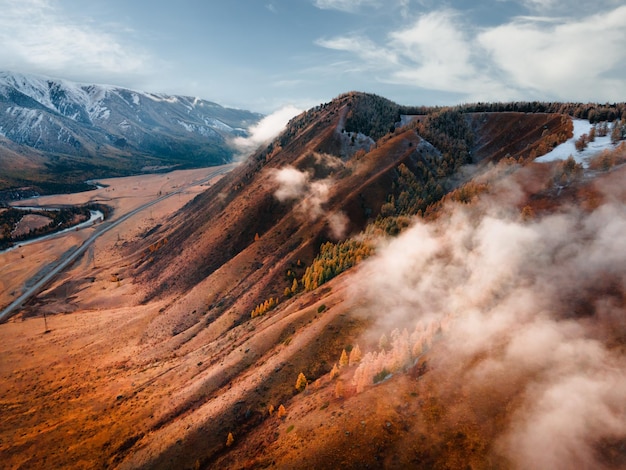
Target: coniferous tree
x,y
616,133
343,360
355,355
383,342
339,389
301,382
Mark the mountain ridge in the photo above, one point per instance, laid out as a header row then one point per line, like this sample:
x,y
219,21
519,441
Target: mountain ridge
x,y
80,131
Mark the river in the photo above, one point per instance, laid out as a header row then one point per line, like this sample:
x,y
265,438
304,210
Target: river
x,y
95,216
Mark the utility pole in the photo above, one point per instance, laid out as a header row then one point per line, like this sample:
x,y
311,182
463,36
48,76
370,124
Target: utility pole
x,y
45,322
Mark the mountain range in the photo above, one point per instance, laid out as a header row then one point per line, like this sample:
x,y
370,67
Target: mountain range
x,y
381,286
54,130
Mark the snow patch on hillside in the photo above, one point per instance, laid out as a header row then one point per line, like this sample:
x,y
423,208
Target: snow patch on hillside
x,y
567,148
160,97
217,124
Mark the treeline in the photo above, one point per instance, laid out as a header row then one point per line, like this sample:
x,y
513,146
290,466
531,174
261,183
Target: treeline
x,y
593,112
450,133
369,114
412,192
416,188
332,260
41,188
372,115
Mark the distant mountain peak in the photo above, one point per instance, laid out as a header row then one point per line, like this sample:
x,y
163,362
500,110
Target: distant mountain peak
x,y
114,127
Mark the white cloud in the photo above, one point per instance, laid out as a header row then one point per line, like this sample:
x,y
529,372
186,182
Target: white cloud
x,y
344,5
524,58
365,49
569,59
436,50
36,37
265,130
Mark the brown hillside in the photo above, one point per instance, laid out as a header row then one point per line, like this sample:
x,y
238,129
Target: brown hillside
x,y
163,382
517,135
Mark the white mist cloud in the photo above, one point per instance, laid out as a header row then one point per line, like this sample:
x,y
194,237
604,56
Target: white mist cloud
x,y
338,224
310,197
265,130
296,185
528,313
37,37
292,184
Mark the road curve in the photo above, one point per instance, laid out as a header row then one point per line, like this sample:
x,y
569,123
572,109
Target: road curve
x,y
103,228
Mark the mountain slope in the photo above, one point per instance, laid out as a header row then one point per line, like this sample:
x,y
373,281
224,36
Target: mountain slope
x,y
82,131
476,322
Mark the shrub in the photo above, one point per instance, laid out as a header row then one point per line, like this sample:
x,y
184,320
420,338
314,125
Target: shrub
x,y
381,375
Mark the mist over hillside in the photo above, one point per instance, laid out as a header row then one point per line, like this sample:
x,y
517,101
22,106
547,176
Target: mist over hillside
x,y
380,286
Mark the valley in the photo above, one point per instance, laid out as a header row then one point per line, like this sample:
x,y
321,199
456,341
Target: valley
x,y
126,198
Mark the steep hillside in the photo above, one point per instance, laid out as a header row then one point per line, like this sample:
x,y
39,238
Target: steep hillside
x,y
300,313
517,135
71,132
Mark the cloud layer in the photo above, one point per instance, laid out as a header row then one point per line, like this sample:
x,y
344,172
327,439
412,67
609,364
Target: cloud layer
x,y
544,57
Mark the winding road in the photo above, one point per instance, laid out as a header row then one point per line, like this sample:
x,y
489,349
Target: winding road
x,y
103,228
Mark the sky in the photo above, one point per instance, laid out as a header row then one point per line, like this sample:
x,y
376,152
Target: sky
x,y
264,55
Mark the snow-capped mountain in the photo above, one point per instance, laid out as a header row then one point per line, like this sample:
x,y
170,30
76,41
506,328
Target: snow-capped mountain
x,y
66,120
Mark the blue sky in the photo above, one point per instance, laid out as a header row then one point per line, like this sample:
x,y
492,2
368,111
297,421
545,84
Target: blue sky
x,y
265,54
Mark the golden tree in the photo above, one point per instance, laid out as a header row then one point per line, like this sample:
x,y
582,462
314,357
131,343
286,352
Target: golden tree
x,y
339,389
355,355
343,360
301,382
230,440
